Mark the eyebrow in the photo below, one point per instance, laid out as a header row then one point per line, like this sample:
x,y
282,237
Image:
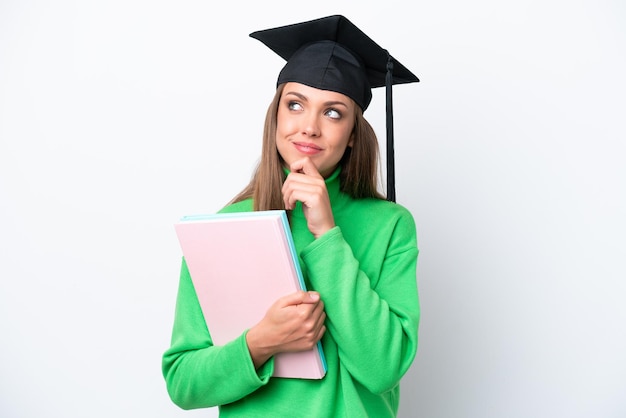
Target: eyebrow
x,y
304,98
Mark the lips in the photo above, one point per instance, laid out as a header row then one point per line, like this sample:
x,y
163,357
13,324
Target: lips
x,y
307,148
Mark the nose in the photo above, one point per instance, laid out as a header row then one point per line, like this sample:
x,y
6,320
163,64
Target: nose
x,y
311,126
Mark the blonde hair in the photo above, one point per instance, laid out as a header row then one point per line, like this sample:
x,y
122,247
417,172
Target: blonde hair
x,y
358,177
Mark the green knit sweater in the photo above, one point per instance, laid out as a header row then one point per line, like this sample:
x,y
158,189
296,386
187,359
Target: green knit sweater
x,y
365,272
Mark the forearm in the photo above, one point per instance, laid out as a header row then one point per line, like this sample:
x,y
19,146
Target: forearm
x,y
375,328
211,376
199,374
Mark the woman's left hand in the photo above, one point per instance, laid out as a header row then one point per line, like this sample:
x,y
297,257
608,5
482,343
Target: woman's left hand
x,y
306,184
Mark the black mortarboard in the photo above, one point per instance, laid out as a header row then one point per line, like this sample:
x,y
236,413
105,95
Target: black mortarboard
x,y
331,53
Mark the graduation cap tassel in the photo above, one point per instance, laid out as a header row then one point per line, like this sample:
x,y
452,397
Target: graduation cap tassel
x,y
334,45
391,175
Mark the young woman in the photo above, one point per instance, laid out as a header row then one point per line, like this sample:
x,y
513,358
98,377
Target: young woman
x,y
358,251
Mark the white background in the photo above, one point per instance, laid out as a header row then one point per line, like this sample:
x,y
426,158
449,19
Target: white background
x,y
117,117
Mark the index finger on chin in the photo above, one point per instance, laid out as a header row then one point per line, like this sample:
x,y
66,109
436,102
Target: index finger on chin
x,y
305,166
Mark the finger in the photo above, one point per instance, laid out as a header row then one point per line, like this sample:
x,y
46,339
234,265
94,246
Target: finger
x,y
313,296
321,332
308,196
298,181
306,187
319,329
319,312
299,298
313,321
305,166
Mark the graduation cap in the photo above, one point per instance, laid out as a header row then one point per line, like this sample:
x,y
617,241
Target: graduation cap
x,y
331,53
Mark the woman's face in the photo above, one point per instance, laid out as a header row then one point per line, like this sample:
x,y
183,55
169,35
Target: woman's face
x,y
314,123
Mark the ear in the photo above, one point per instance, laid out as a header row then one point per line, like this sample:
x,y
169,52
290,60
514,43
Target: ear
x,y
351,141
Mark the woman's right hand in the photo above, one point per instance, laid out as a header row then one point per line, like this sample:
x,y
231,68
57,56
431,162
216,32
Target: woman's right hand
x,y
293,323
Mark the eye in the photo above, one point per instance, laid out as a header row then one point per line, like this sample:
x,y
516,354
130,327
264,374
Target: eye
x,y
333,114
293,105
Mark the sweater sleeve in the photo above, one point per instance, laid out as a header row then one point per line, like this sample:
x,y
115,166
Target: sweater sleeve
x,y
373,321
199,374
